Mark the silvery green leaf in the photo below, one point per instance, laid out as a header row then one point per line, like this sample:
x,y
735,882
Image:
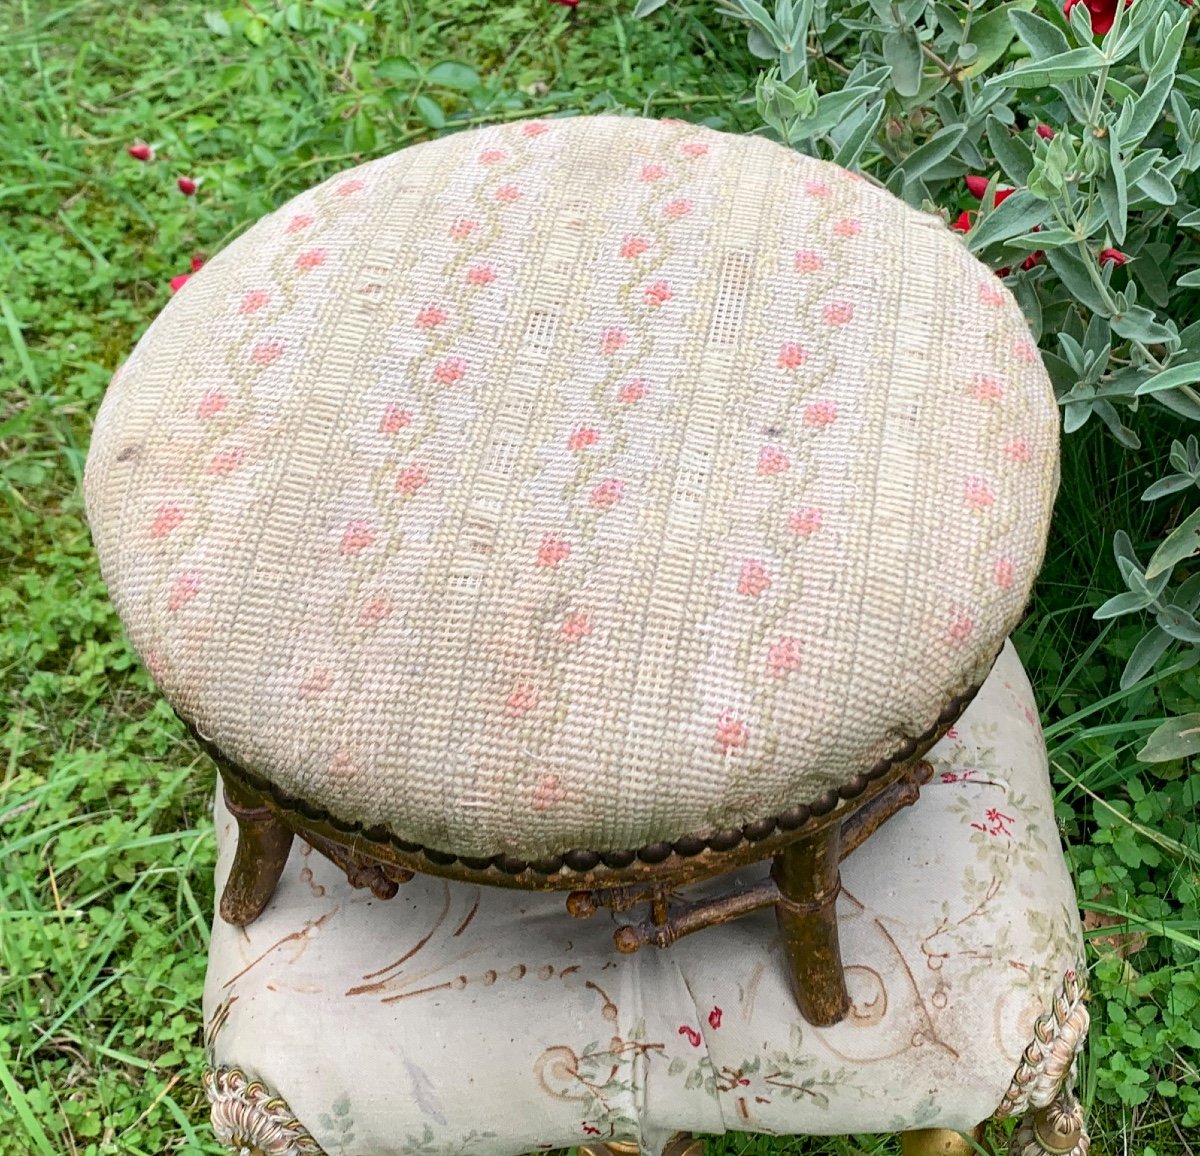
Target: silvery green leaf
x,y
883,12
1191,220
991,34
1073,274
851,149
1124,603
1083,61
1188,595
1148,268
936,149
1053,238
1189,280
1181,543
1171,484
1075,415
1167,60
793,60
1137,323
646,7
1107,413
1138,117
902,52
1172,378
1096,339
1177,738
1015,215
1148,651
1179,403
1074,352
835,107
1123,548
1041,37
760,44
1031,306
1157,187
1012,153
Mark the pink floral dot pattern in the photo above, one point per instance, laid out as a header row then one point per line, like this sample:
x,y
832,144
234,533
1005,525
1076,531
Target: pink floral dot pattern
x,y
580,482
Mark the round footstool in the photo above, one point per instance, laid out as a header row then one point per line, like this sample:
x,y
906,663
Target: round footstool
x,y
596,505
481,1021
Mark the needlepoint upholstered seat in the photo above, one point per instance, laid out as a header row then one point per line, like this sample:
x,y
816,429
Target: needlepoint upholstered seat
x,y
594,504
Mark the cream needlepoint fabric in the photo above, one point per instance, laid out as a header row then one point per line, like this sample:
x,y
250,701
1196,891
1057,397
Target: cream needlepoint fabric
x,y
575,483
455,1019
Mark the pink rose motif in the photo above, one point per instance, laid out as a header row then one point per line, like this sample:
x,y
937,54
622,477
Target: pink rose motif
x,y
357,536
266,352
316,683
581,437
168,518
492,156
521,701
633,247
772,460
792,355
450,371
714,1018
754,579
820,414
783,657
410,480
462,229
576,626
608,493
508,194
300,222
632,391
653,172
347,188
431,317
394,419
694,148
839,313
657,294
185,587
211,404
1025,351
481,275
310,259
341,766
985,387
224,462
978,494
678,208
552,551
731,732
1017,450
847,227
374,612
612,339
960,628
1003,574
809,262
253,301
816,188
990,294
692,1036
534,128
805,521
547,792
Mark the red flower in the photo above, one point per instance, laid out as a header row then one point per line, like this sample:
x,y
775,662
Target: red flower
x,y
179,281
962,223
140,151
187,186
1104,12
1045,132
569,4
978,186
197,262
1113,257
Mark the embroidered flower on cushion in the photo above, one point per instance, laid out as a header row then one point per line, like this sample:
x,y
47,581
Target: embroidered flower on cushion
x,y
534,128
184,588
394,419
431,317
783,657
838,313
693,148
805,521
753,579
168,517
1024,350
266,352
552,551
1003,573
816,188
809,262
410,480
508,194
714,1018
576,626
521,700
211,404
316,683
357,536
985,387
547,792
492,156
613,339
633,247
847,227
347,188
341,766
653,172
657,294
253,301
772,460
300,222
1017,450
961,628
449,371
608,493
820,414
692,1036
374,612
581,437
678,208
632,391
731,734
481,275
978,494
990,294
792,355
462,229
224,462
310,259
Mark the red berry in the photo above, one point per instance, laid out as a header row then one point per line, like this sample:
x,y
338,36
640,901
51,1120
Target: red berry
x,y
187,186
1045,132
140,151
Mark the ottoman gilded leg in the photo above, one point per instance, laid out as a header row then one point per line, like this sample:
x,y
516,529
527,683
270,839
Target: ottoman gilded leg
x,y
806,874
941,1142
263,843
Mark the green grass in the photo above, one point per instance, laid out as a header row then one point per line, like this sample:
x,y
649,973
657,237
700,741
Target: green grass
x,y
106,849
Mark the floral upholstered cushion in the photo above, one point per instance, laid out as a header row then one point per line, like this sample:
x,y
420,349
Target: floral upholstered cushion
x,y
487,1022
576,483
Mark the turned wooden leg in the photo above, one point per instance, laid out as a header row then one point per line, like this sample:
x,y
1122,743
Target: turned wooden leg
x,y
941,1142
806,874
263,843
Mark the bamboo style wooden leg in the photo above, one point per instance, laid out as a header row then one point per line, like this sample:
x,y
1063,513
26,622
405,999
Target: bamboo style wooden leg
x,y
941,1142
806,874
263,843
